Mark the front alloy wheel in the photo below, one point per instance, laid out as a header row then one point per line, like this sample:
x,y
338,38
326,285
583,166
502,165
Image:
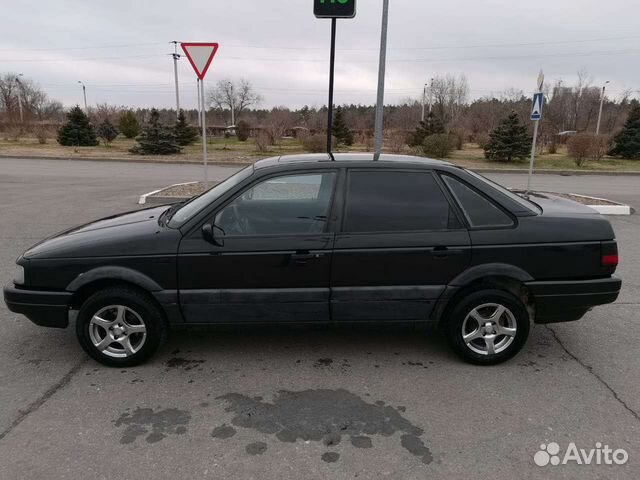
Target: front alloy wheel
x,y
117,331
121,327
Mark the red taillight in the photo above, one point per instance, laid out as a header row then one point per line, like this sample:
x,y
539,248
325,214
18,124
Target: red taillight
x,y
610,260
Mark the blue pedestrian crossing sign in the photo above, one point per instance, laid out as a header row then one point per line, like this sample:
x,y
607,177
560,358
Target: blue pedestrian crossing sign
x,y
536,111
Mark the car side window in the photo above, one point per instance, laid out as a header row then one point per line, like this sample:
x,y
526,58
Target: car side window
x,y
288,204
396,201
477,209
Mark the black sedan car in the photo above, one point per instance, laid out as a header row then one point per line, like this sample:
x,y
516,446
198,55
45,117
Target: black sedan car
x,y
311,239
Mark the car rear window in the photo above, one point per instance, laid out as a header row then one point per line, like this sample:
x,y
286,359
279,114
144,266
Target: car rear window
x,y
394,201
479,211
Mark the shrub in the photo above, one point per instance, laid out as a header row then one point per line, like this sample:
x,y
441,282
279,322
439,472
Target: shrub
x,y
482,139
156,139
397,140
185,133
42,134
107,131
508,141
342,133
580,148
586,146
78,131
316,143
263,141
243,130
129,125
627,142
438,146
429,126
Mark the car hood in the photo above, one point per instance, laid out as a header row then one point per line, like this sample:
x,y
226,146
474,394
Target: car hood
x,y
132,233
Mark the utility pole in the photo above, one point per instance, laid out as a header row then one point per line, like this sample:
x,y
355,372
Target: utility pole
x,y
176,57
424,101
233,106
20,93
84,92
379,125
604,89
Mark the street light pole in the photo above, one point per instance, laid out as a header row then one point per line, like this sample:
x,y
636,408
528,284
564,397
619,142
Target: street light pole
x,y
379,125
604,89
84,92
20,97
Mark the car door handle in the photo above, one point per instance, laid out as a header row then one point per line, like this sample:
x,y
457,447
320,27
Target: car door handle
x,y
304,257
446,252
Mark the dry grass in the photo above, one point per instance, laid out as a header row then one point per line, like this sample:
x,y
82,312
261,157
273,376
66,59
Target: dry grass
x,y
232,151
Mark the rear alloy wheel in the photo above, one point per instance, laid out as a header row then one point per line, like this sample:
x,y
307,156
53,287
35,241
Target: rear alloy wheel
x,y
488,327
120,327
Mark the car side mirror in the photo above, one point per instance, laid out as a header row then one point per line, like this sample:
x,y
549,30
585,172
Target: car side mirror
x,y
213,234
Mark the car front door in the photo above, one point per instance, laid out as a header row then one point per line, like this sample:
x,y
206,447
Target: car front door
x,y
272,259
400,244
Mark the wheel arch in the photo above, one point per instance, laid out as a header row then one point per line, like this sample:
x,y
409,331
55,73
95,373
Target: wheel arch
x,y
100,278
490,276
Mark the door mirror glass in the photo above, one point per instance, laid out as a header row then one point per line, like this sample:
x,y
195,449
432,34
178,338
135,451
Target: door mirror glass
x,y
213,234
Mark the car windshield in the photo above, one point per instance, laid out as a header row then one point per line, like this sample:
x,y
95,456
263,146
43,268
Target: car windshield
x,y
513,196
196,204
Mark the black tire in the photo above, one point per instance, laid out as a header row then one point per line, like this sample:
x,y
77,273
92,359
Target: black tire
x,y
463,308
139,307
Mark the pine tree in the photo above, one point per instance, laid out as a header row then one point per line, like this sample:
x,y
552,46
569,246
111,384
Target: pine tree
x,y
185,133
627,142
78,131
129,125
508,141
343,134
107,131
156,139
427,127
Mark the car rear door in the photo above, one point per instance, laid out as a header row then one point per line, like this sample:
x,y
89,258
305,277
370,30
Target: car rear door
x,y
400,243
275,261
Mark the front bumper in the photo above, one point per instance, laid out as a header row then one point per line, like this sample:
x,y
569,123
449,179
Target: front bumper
x,y
566,301
47,309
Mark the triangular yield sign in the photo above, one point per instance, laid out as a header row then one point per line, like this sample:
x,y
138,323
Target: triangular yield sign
x,y
200,56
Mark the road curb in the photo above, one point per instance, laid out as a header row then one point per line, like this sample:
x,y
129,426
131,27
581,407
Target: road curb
x,y
617,209
244,164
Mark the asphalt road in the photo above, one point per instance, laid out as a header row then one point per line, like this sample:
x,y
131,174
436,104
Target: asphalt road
x,y
255,404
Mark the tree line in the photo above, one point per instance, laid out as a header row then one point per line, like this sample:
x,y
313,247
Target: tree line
x,y
448,111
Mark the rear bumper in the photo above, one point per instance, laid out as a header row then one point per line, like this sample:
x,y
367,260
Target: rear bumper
x,y
566,301
47,309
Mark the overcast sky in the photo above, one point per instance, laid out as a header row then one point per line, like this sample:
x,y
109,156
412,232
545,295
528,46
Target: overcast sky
x,y
119,48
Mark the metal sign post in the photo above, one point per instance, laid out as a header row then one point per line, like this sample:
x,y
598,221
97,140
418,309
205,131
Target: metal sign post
x,y
536,116
333,9
379,125
200,56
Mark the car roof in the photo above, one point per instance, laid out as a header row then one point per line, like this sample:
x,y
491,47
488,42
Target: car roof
x,y
385,160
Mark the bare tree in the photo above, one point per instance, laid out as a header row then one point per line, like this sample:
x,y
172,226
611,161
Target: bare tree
x,y
450,95
278,122
234,97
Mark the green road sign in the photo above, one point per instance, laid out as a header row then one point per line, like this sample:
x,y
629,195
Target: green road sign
x,y
334,8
